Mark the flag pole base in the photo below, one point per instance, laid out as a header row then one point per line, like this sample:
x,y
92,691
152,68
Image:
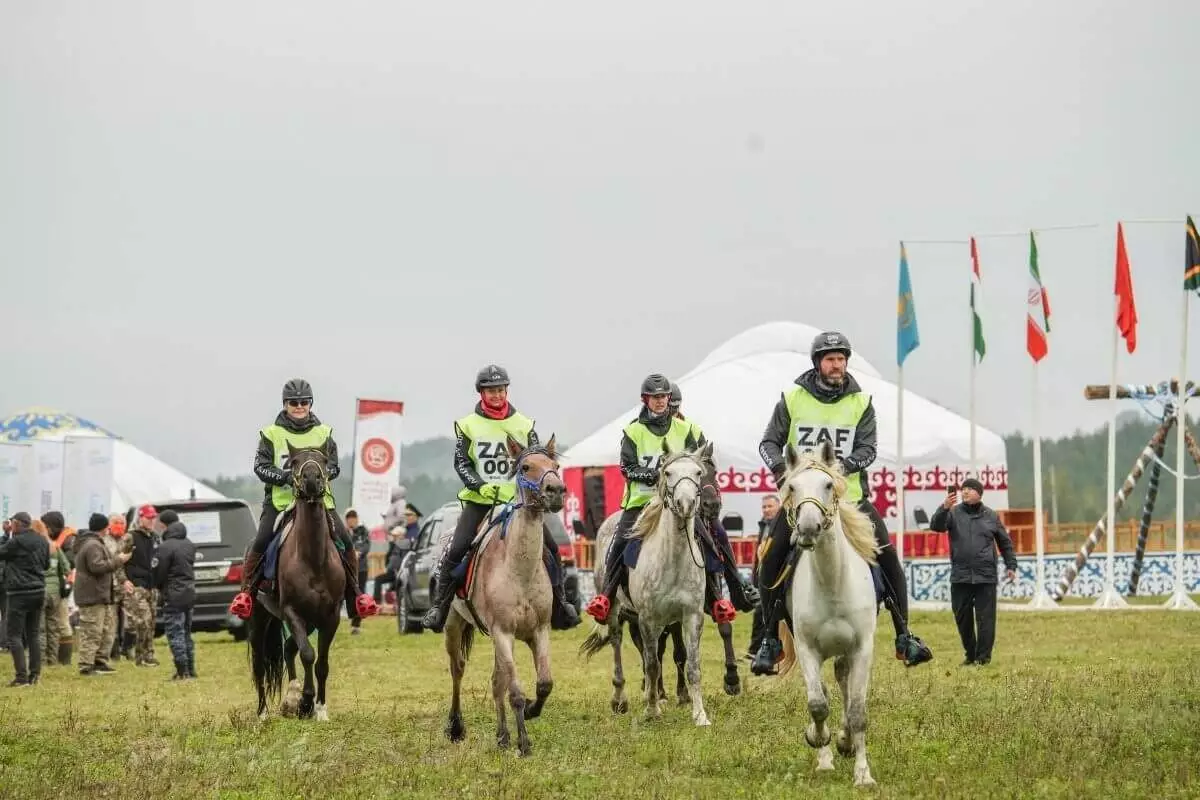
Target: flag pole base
x,y
1111,598
1043,601
1181,601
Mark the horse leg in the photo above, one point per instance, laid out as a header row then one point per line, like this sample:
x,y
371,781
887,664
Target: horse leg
x,y
733,683
307,657
692,627
321,668
679,656
651,667
290,706
541,662
620,703
662,653
506,677
456,627
841,672
856,712
816,734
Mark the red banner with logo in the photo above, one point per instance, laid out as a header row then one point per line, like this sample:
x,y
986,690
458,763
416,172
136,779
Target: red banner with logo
x,y
377,430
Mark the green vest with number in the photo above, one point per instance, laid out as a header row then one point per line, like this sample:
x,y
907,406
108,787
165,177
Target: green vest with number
x,y
487,447
280,437
812,423
649,453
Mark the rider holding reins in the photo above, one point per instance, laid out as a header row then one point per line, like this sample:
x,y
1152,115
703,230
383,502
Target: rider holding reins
x,y
483,464
827,404
297,426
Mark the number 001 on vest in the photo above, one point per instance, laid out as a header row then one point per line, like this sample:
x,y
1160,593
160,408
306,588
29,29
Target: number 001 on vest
x,y
487,448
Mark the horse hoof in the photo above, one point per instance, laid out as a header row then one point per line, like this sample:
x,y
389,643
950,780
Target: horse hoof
x,y
733,685
702,720
824,760
322,712
864,778
503,742
810,736
456,731
620,706
844,745
262,715
683,700
524,749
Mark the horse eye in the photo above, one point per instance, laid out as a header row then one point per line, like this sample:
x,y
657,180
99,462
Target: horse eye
x,y
524,468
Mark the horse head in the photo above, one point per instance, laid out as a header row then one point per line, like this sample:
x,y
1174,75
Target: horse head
x,y
811,489
710,491
310,476
538,482
680,476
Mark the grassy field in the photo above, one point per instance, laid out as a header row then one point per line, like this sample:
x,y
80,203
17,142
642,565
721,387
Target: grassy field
x,y
1073,705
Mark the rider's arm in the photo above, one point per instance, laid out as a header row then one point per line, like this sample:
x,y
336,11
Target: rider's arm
x,y
334,468
264,464
462,462
862,455
631,468
774,439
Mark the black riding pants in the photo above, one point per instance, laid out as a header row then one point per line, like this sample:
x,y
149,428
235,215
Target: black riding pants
x,y
472,516
266,528
773,555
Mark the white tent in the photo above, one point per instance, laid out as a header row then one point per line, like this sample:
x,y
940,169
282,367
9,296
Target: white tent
x,y
133,476
731,395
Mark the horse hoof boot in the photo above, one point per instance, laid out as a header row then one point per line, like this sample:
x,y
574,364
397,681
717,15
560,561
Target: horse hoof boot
x,y
723,611
365,606
242,606
598,608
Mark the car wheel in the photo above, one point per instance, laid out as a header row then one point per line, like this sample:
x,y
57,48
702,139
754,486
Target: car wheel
x,y
404,621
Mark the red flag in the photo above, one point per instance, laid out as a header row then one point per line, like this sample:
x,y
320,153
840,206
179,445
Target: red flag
x,y
1126,310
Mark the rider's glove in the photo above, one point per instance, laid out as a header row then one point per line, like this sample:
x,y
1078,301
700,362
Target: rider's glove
x,y
490,491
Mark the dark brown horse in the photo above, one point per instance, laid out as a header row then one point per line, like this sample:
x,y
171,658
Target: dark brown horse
x,y
310,583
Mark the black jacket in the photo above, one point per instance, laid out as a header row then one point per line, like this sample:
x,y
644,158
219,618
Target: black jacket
x,y
26,557
636,471
463,466
264,456
140,567
974,531
362,544
862,450
175,574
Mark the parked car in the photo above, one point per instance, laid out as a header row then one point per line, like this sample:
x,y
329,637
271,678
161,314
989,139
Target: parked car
x,y
415,592
221,531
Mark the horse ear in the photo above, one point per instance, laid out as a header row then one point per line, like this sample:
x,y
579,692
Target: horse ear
x,y
327,449
514,447
551,447
828,454
791,456
706,452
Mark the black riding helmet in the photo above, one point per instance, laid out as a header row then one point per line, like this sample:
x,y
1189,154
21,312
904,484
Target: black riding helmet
x,y
656,384
829,342
676,397
491,376
297,389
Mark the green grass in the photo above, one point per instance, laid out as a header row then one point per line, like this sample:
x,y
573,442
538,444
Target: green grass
x,y
1073,705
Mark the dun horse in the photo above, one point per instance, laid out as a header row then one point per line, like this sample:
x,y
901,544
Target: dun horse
x,y
832,601
309,587
510,597
666,587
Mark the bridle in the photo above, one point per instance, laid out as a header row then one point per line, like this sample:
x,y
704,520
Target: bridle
x,y
297,474
669,494
827,511
530,492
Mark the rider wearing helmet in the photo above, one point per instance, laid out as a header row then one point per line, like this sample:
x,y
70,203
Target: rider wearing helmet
x,y
641,449
483,464
827,404
743,595
297,426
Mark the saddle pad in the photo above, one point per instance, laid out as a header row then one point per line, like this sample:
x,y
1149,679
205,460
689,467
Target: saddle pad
x,y
271,558
464,573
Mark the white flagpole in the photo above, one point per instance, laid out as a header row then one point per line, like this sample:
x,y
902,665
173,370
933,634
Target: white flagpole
x,y
900,464
1180,600
1109,598
1040,599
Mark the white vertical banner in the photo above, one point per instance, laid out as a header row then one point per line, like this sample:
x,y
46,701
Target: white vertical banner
x,y
14,479
48,457
377,429
87,478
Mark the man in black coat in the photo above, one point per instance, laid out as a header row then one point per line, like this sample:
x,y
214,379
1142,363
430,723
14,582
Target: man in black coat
x,y
175,577
975,531
26,556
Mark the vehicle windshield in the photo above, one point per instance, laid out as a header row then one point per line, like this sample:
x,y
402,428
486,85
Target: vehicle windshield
x,y
220,530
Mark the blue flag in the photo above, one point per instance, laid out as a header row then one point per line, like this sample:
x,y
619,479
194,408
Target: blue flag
x,y
907,338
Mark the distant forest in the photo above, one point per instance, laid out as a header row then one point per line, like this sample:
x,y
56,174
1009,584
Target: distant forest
x,y
1077,461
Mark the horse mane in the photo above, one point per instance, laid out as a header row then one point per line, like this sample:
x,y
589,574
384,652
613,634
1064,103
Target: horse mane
x,y
856,526
651,515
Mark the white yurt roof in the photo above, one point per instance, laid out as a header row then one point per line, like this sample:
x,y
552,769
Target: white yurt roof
x,y
732,392
138,477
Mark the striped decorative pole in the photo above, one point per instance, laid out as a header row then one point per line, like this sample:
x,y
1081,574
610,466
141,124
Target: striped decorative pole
x,y
1147,515
1135,474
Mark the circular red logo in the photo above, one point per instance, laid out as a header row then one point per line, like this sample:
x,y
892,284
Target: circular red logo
x,y
377,456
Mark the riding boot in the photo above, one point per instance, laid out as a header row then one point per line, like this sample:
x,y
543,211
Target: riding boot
x,y
771,648
435,618
742,593
563,615
243,604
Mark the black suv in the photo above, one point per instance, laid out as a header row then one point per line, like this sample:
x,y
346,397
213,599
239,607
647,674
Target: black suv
x,y
413,596
222,530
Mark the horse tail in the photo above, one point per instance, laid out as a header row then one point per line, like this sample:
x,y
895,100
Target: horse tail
x,y
266,652
466,639
788,661
597,640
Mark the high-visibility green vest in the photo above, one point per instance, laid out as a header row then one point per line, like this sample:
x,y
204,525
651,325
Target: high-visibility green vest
x,y
487,447
812,422
280,437
649,453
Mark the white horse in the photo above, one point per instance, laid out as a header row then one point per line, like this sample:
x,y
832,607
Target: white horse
x,y
667,585
833,602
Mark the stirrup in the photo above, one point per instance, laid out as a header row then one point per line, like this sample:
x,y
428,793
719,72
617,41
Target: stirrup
x,y
768,653
598,607
242,606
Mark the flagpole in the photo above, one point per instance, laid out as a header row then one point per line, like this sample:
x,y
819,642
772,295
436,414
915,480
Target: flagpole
x,y
1109,598
1040,599
900,465
1180,600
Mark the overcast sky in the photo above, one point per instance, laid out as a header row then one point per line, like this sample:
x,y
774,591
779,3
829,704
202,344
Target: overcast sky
x,y
201,200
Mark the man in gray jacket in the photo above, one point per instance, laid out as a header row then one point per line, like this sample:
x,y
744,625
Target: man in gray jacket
x,y
975,531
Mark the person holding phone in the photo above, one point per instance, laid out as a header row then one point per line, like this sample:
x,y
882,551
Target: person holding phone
x,y
975,531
